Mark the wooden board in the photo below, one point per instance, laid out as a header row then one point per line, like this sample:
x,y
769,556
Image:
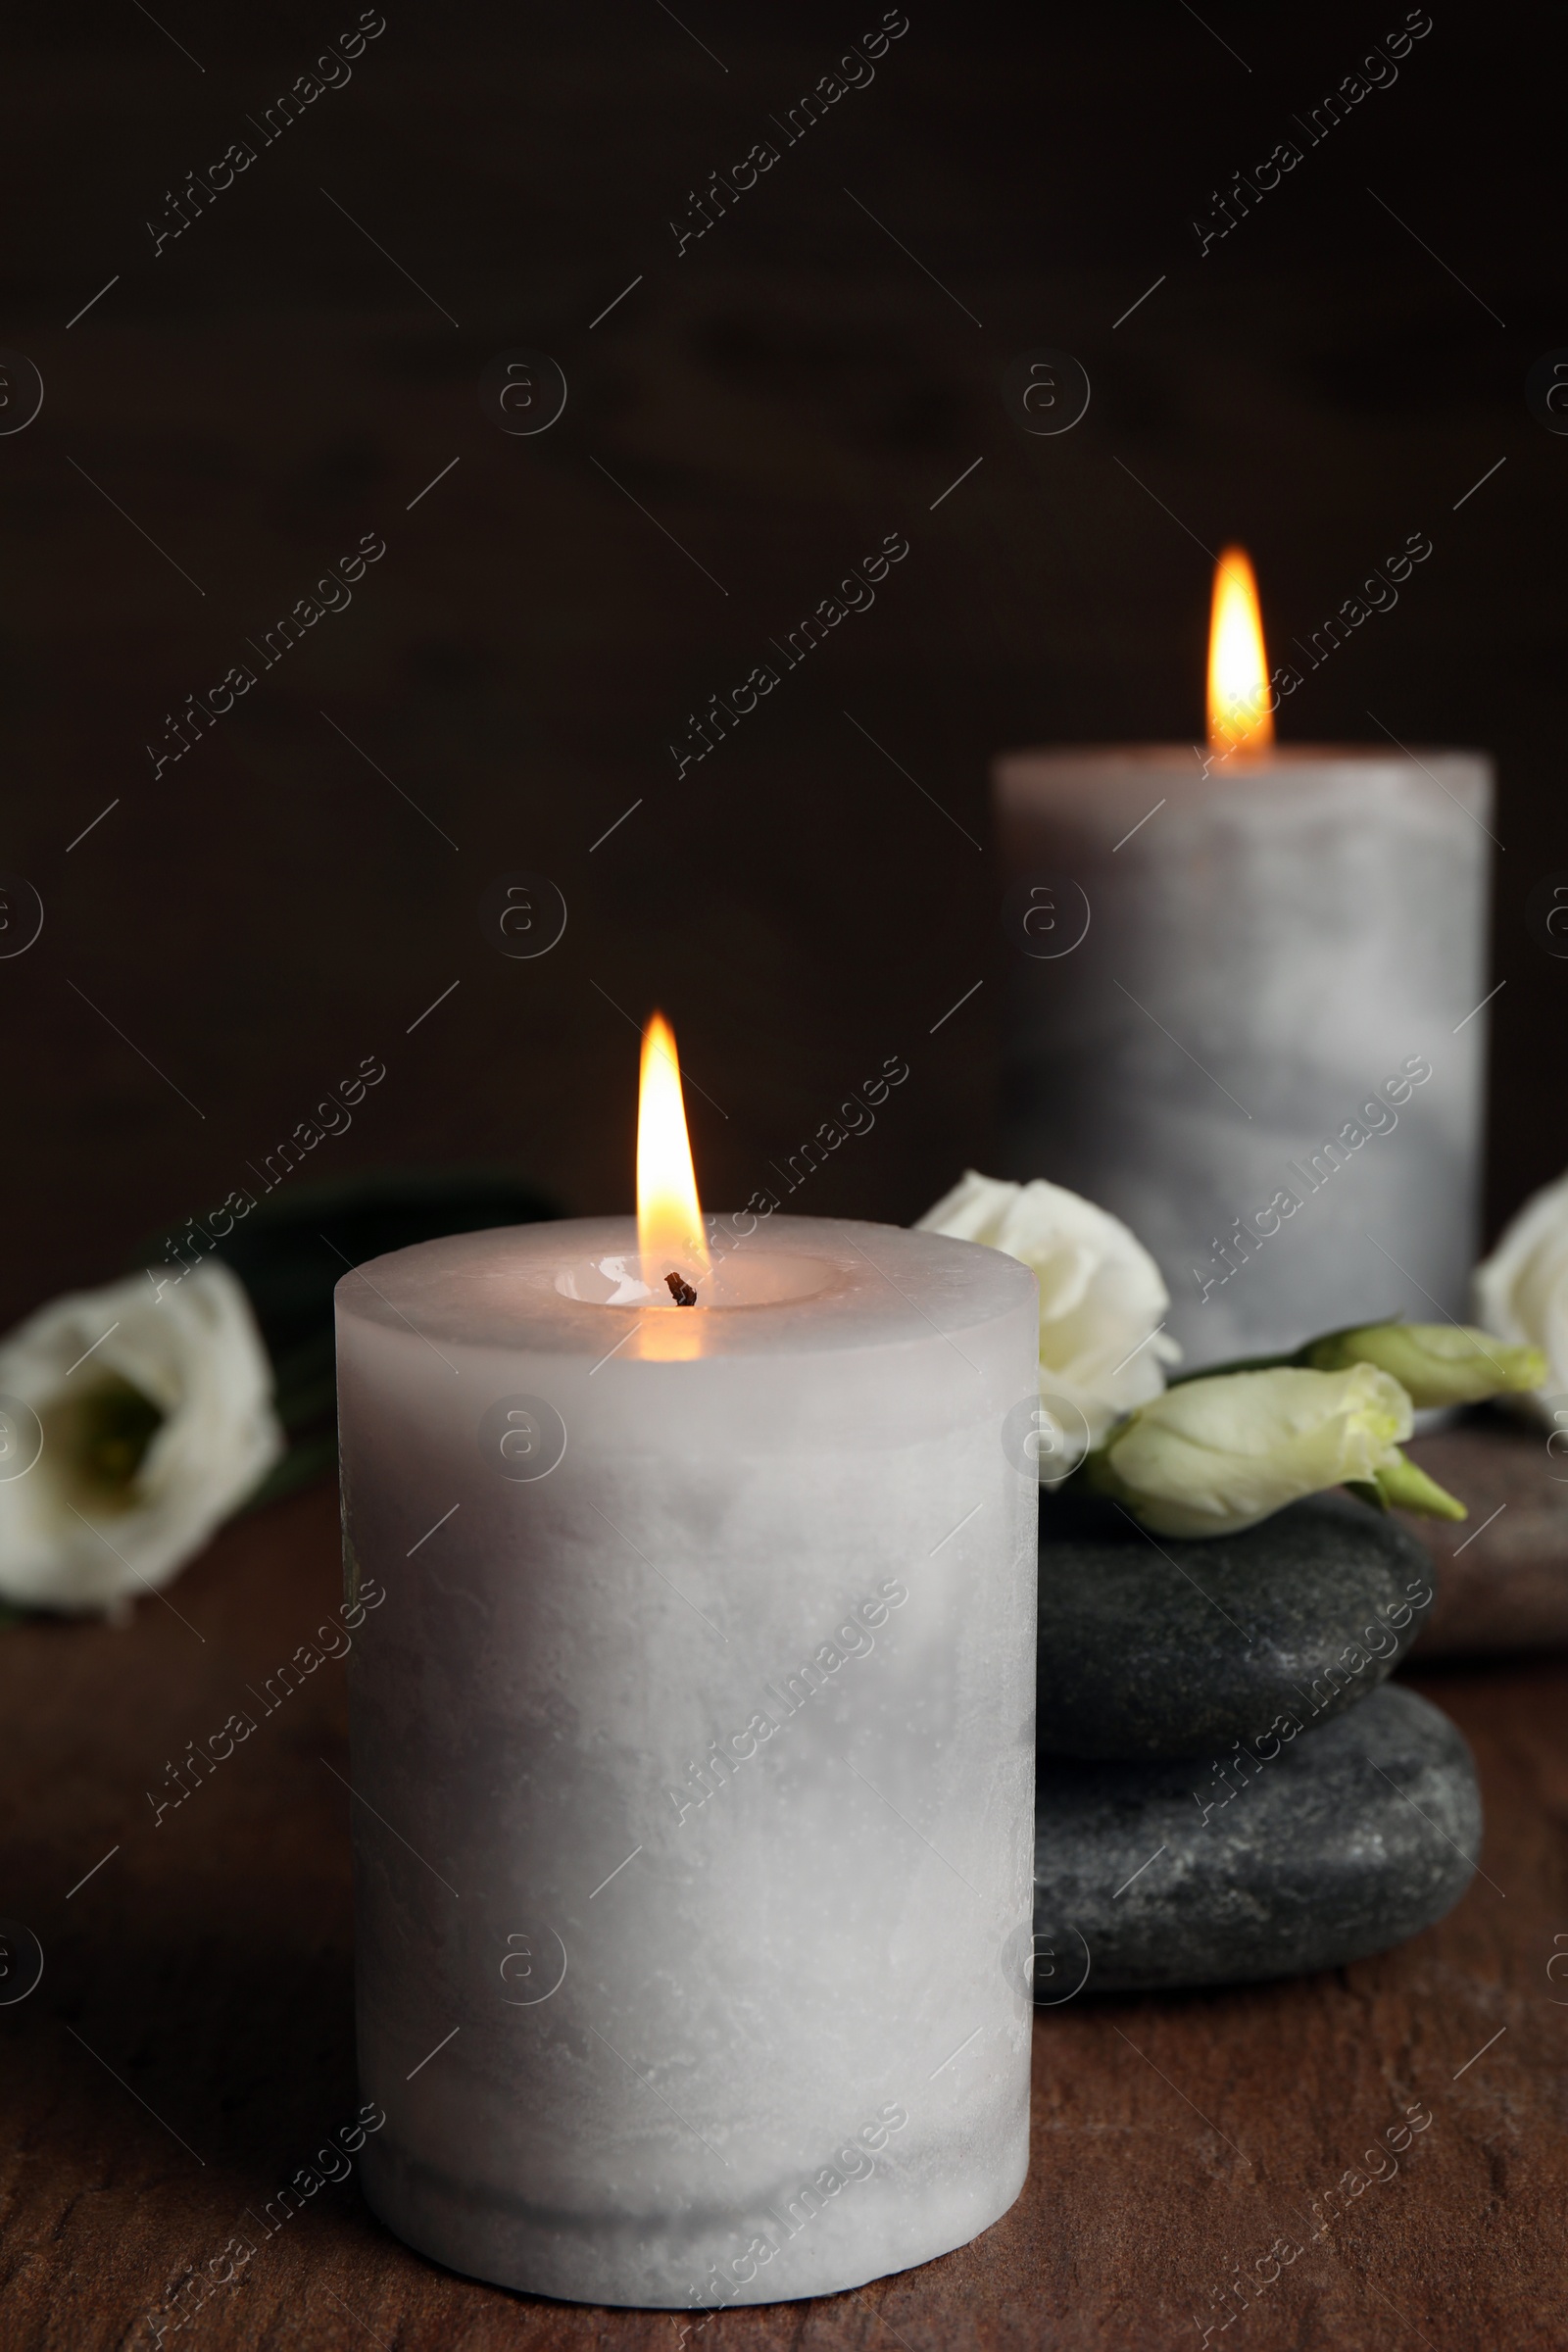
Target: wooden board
x,y
190,2046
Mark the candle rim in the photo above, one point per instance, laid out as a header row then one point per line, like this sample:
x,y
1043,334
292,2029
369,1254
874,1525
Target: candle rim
x,y
964,1286
1290,754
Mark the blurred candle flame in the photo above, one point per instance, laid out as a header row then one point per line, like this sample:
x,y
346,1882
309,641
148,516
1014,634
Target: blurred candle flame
x,y
1240,720
669,1215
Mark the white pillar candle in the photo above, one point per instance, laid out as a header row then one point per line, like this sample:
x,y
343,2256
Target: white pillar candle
x,y
693,1753
1265,1051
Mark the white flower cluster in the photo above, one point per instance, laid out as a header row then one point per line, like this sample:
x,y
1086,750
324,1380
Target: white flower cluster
x,y
1215,1455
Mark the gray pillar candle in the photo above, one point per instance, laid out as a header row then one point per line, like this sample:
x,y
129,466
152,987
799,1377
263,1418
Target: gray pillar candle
x,y
1265,1051
693,1746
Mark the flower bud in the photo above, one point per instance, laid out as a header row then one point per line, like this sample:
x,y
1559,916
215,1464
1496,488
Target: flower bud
x,y
1435,1363
1214,1456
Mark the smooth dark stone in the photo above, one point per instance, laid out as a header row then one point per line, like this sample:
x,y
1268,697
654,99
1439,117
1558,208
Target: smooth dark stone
x,y
1352,1838
1150,1646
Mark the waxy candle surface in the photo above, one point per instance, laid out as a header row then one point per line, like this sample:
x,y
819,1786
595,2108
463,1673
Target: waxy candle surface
x,y
694,1744
1266,1050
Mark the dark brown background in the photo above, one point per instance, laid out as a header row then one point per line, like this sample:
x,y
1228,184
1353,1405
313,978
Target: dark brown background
x,y
795,387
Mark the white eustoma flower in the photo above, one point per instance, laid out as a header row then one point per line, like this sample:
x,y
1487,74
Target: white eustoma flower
x,y
1521,1291
1212,1456
1102,1295
157,1421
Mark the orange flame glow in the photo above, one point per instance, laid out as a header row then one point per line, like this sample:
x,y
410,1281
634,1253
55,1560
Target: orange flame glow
x,y
669,1215
1239,716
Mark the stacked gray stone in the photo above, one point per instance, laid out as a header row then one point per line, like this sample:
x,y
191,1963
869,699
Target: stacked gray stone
x,y
1229,1789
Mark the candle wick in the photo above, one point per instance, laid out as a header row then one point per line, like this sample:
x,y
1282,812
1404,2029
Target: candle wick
x,y
680,1290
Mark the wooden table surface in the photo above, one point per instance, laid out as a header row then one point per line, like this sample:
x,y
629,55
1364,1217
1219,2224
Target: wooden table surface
x,y
191,2046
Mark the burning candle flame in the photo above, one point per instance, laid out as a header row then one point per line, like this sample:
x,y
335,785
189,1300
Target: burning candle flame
x,y
669,1215
1240,720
